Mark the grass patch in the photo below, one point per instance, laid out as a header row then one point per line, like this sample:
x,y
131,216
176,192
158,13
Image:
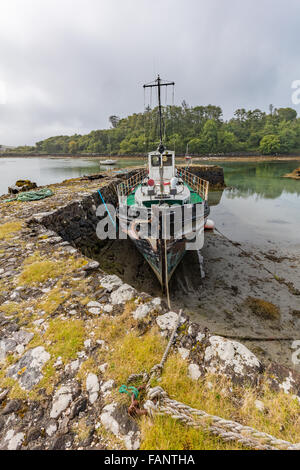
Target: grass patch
x,y
82,430
38,269
9,229
54,299
10,308
66,337
263,309
164,433
176,382
132,354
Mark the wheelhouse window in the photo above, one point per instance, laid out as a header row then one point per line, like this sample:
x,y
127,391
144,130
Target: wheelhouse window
x,y
155,160
167,160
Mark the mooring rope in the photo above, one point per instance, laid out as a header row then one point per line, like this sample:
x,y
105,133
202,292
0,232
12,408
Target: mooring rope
x,y
160,404
225,429
167,271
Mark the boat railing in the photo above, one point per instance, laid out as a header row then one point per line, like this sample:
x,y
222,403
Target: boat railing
x,y
126,187
197,184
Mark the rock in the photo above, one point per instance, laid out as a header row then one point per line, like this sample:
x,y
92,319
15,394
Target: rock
x,y
20,349
156,302
115,419
87,343
28,369
78,406
282,378
13,440
230,358
33,434
61,401
288,384
94,304
51,429
95,311
3,394
106,387
108,308
61,442
19,338
58,362
200,337
142,311
168,321
73,366
6,346
102,369
122,294
194,371
110,282
11,407
92,386
91,266
259,405
184,353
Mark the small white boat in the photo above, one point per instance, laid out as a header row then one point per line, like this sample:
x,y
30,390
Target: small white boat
x,y
108,162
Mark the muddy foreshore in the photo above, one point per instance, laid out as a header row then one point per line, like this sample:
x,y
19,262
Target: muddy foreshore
x,y
77,317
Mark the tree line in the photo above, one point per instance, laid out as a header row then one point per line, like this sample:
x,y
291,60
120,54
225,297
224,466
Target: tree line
x,y
199,130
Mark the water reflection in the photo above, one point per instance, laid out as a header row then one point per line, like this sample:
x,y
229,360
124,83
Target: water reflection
x,y
262,179
259,206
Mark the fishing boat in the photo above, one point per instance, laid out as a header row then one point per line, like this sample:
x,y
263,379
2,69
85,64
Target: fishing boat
x,y
162,208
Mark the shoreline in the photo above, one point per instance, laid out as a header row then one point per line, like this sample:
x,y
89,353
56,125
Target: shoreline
x,y
195,159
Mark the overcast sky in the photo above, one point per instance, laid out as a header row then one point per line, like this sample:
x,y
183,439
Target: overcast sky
x,y
67,65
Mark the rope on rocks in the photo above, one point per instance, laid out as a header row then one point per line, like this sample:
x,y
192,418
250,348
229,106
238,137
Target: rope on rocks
x,y
159,403
225,429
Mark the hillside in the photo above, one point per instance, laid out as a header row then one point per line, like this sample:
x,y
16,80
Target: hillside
x,y
201,129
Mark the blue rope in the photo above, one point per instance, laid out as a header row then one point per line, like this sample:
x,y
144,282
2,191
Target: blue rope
x,y
114,223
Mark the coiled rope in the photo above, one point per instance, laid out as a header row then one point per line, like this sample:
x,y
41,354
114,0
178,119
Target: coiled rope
x,y
160,404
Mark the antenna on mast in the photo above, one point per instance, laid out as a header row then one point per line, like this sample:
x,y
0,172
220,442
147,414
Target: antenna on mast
x,y
158,83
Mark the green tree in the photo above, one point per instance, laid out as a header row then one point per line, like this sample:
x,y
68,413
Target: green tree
x,y
210,136
270,144
72,147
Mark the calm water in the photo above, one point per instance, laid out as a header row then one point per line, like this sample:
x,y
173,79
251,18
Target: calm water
x,y
259,206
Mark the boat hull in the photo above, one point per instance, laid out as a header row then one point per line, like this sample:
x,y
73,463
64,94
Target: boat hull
x,y
163,254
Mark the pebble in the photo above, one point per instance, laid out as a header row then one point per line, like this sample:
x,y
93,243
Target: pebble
x,y
103,367
259,405
92,387
194,371
95,311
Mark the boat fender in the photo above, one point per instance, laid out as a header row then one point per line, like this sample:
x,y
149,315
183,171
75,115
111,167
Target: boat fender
x,y
210,225
174,182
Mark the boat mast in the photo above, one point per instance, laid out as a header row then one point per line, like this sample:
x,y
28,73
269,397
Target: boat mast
x,y
158,83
